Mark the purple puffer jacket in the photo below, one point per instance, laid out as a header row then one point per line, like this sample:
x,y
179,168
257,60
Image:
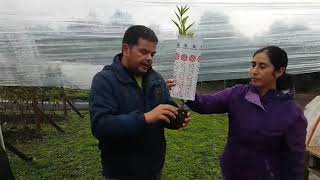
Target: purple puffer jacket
x,y
266,138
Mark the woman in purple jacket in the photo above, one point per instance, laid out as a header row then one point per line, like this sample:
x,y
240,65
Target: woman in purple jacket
x,y
267,130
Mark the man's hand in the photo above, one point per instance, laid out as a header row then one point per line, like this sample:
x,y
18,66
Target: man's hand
x,y
163,112
186,120
170,83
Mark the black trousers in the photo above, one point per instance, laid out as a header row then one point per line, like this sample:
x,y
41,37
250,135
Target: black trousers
x,y
156,176
5,170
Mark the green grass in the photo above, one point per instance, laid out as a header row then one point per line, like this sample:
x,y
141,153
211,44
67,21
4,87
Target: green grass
x,y
192,153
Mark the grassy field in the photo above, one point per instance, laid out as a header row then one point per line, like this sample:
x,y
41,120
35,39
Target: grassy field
x,y
193,153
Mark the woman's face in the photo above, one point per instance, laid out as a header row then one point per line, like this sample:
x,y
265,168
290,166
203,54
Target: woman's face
x,y
262,72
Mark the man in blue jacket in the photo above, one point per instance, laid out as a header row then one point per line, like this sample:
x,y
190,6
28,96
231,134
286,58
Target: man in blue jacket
x,y
129,107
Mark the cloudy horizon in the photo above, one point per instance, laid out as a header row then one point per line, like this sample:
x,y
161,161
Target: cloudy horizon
x,y
249,17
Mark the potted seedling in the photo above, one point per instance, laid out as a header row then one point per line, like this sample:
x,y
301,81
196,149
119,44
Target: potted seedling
x,y
186,64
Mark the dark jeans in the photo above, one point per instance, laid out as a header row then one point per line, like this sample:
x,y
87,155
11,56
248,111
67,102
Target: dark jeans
x,y
5,170
156,176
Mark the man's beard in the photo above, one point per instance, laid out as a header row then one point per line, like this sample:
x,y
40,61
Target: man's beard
x,y
137,72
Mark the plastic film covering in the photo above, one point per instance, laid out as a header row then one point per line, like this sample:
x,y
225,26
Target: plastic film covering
x,y
64,43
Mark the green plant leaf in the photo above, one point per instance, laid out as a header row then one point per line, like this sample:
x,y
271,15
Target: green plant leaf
x,y
184,20
178,16
184,11
183,25
184,7
179,9
190,26
180,31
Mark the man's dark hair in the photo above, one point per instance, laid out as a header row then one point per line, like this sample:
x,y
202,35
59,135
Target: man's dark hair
x,y
134,33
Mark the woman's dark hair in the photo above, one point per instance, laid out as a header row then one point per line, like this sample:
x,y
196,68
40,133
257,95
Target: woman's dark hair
x,y
278,58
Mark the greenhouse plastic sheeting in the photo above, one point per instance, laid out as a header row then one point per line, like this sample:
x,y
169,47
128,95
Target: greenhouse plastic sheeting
x,y
64,43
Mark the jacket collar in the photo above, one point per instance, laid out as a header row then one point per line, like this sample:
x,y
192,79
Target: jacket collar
x,y
125,76
254,97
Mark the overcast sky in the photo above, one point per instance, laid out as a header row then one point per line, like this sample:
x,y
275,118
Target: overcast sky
x,y
250,17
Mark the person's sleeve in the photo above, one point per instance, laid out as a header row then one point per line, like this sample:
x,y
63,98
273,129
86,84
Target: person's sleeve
x,y
106,120
211,103
295,138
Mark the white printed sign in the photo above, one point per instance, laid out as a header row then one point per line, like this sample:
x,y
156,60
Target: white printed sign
x,y
186,69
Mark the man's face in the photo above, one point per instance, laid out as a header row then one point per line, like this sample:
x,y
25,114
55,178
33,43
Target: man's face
x,y
140,56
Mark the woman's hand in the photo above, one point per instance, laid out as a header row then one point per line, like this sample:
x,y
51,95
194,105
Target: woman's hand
x,y
170,83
